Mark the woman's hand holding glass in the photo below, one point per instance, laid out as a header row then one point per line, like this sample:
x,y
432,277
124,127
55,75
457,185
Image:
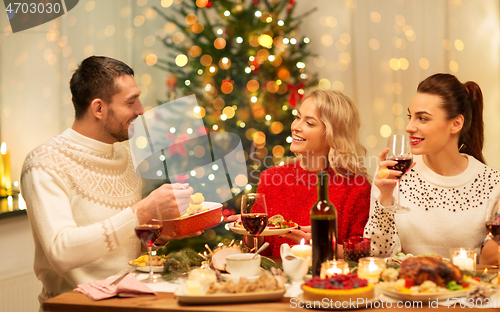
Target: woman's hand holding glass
x,y
395,161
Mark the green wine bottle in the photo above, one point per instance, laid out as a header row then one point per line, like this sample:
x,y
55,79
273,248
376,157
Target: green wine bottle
x,y
323,226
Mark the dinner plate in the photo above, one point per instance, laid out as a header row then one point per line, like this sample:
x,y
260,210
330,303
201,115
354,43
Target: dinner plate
x,y
424,297
274,295
156,268
267,231
327,306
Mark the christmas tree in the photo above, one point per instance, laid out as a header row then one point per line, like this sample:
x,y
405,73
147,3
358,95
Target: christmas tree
x,y
245,62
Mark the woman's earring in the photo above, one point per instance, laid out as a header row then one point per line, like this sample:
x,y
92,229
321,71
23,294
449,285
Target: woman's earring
x,y
461,146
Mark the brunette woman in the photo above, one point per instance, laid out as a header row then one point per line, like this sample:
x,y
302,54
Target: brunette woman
x,y
450,190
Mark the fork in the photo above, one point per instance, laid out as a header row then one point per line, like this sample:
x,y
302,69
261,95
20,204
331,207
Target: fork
x,y
116,281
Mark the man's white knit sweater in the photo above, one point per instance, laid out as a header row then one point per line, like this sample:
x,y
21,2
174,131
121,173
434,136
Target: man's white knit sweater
x,y
78,193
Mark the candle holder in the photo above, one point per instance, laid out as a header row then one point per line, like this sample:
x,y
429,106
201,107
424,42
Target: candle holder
x,y
370,268
333,267
463,258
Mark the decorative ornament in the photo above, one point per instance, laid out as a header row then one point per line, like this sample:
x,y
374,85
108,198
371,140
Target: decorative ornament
x,y
255,2
238,8
209,4
178,147
227,86
171,82
295,96
255,66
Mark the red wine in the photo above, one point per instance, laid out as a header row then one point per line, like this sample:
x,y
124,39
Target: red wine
x,y
323,234
254,223
404,163
323,226
148,233
494,228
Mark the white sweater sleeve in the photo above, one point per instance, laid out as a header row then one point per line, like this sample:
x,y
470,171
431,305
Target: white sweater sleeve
x,y
381,228
66,244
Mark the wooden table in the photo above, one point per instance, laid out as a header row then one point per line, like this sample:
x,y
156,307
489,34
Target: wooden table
x,y
78,302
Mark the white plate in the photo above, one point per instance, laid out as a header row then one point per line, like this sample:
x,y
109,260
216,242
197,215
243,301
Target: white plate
x,y
156,268
266,232
424,297
274,295
366,304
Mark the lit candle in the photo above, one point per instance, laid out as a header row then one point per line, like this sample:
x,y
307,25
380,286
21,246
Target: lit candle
x,y
370,268
6,183
302,250
332,267
464,259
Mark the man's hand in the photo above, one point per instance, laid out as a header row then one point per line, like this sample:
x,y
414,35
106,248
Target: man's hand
x,y
169,198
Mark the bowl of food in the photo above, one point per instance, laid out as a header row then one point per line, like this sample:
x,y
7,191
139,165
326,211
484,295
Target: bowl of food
x,y
201,215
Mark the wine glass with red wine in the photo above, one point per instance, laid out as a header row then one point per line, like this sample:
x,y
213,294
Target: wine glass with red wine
x,y
148,230
254,215
399,150
493,226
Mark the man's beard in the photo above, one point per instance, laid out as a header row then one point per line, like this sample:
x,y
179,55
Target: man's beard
x,y
114,128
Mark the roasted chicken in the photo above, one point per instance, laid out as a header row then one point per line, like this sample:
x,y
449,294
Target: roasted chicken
x,y
422,269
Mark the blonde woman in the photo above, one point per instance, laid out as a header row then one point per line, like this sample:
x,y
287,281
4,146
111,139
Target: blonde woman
x,y
324,136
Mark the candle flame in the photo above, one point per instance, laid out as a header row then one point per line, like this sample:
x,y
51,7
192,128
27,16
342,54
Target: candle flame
x,y
3,148
372,267
302,241
485,270
463,253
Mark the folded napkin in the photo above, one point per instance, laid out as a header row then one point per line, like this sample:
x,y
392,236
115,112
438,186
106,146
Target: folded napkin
x,y
129,286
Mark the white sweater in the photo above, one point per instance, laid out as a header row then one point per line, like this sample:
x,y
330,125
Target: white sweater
x,y
446,212
78,193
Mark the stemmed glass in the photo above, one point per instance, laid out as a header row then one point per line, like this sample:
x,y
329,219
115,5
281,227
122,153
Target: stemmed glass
x,y
148,230
254,215
493,226
399,150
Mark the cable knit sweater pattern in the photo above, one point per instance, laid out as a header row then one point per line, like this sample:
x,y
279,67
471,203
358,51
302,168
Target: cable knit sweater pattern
x,y
446,212
291,192
78,193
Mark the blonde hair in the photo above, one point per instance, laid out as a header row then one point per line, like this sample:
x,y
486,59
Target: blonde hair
x,y
341,119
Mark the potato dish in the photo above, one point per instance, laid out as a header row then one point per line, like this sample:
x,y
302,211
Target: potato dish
x,y
143,261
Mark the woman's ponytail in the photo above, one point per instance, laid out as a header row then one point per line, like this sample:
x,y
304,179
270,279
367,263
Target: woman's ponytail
x,y
473,139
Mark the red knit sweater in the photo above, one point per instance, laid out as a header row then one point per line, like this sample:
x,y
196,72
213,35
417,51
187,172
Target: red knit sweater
x,y
291,192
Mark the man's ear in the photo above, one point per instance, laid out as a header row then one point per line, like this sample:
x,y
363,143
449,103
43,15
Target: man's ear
x,y
457,124
96,108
